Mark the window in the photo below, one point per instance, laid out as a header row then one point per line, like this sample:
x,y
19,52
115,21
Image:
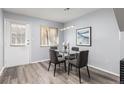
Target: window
x,y
17,34
49,36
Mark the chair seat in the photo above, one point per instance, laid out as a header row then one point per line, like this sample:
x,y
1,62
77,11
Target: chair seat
x,y
59,55
71,57
74,62
61,60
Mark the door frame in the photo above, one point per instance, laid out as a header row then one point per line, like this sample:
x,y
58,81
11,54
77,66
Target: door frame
x,y
30,39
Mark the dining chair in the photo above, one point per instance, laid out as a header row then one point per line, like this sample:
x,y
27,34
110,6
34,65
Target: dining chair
x,y
55,60
73,56
75,48
80,62
55,48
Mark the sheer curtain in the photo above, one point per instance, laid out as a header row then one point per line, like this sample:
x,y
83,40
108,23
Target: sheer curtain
x,y
53,37
49,36
44,36
17,34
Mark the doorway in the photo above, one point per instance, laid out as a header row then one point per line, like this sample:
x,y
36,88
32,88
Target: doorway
x,y
17,46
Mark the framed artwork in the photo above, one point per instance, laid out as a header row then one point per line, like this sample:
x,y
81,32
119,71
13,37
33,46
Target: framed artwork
x,y
83,36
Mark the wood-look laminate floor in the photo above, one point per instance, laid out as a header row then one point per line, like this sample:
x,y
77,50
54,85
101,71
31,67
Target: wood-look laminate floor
x,y
37,73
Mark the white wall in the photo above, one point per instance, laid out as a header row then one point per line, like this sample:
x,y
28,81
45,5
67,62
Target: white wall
x,y
122,45
1,39
37,53
104,52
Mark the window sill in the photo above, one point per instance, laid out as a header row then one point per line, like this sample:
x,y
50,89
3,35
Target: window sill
x,y
47,46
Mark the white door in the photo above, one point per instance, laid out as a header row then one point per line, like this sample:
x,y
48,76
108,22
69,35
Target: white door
x,y
17,43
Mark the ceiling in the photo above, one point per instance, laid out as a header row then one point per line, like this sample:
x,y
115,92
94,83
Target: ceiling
x,y
54,14
119,14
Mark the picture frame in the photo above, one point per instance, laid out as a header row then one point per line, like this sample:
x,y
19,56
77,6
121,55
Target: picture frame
x,y
83,36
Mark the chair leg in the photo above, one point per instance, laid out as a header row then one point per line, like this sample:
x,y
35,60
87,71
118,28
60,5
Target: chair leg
x,y
59,65
54,70
88,72
79,75
65,66
49,66
68,68
76,69
71,67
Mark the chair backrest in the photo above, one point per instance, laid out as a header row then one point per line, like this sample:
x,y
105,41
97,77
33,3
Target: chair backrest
x,y
53,47
82,59
75,48
53,56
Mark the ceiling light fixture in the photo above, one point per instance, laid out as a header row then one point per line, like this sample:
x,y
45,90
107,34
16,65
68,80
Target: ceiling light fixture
x,y
67,28
66,9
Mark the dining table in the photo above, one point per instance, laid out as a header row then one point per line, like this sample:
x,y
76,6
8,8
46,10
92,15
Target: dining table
x,y
68,52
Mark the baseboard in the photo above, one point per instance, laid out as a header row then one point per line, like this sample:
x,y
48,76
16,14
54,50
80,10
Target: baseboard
x,y
88,65
104,70
29,63
1,71
40,61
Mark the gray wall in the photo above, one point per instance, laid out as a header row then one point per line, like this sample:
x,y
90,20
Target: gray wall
x,y
104,52
122,45
1,39
37,53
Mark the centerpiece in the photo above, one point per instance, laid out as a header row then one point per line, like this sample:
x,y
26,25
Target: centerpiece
x,y
66,46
